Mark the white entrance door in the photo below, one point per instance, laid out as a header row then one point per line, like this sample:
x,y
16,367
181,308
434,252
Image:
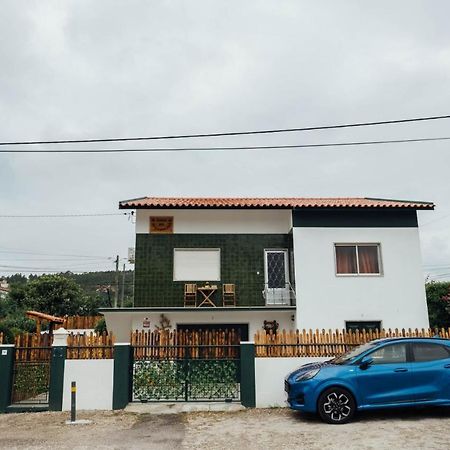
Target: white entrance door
x,y
276,277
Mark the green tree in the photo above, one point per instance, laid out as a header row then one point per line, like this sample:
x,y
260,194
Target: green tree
x,y
438,303
17,278
4,308
17,297
101,326
54,294
19,323
8,335
90,304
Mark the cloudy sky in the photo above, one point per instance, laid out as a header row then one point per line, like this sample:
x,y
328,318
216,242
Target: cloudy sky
x,y
89,69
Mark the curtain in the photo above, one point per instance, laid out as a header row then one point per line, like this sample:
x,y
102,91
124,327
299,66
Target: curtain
x,y
346,259
368,259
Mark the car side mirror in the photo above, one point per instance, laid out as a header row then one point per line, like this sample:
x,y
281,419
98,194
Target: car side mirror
x,y
365,362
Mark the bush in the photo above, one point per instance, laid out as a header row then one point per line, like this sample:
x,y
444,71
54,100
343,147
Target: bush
x,y
8,335
100,328
438,307
21,324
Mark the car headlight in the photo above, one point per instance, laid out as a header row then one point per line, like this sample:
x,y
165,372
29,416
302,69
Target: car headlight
x,y
307,375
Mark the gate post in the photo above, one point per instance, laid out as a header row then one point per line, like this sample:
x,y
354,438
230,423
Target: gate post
x,y
123,374
248,392
57,364
6,375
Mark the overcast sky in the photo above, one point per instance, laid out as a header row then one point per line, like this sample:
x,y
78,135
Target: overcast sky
x,y
89,69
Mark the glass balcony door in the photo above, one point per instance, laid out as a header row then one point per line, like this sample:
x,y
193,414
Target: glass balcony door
x,y
276,277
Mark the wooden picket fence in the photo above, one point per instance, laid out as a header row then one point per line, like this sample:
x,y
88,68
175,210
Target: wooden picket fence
x,y
32,347
81,322
176,344
328,343
37,347
90,346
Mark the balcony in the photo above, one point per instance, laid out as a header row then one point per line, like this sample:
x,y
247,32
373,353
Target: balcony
x,y
245,294
279,296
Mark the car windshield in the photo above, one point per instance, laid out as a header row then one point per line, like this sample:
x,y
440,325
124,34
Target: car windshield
x,y
350,356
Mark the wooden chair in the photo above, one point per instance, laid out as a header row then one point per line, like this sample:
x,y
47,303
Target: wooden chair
x,y
190,294
229,294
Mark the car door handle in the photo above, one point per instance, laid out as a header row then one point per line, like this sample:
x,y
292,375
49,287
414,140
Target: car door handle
x,y
401,369
447,366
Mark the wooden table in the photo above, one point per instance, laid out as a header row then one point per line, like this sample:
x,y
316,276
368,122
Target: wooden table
x,y
207,292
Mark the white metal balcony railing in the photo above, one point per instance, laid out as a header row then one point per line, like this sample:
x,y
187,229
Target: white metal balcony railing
x,y
279,296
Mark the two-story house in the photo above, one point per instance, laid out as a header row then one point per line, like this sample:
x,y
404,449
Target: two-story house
x,y
246,262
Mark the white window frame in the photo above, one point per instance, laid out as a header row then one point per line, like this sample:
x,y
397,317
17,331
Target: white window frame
x,y
179,249
356,244
277,296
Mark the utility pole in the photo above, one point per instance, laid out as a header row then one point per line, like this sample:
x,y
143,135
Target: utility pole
x,y
116,293
122,292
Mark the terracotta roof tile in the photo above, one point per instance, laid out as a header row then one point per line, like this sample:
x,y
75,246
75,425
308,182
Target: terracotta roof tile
x,y
283,203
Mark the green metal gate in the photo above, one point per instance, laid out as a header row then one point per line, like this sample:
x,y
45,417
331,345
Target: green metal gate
x,y
31,376
186,373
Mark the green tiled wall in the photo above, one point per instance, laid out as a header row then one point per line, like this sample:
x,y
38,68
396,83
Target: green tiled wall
x,y
242,256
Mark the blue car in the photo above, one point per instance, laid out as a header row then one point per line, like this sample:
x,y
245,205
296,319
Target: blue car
x,y
385,373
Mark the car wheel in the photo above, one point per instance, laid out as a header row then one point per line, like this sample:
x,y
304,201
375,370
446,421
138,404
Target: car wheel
x,y
336,405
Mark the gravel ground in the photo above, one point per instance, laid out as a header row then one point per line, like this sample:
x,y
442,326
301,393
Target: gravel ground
x,y
252,429
286,429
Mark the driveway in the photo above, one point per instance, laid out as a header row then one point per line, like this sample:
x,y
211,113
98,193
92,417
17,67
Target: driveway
x,y
253,429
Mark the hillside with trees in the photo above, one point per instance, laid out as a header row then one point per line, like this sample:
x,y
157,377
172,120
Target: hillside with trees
x,y
60,295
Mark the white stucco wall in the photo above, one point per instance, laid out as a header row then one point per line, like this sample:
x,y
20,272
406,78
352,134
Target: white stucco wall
x,y
269,378
325,300
120,323
230,221
94,378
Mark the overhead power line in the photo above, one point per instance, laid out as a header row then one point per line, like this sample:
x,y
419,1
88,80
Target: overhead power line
x,y
232,133
43,271
56,260
25,252
436,266
442,275
66,267
60,215
242,147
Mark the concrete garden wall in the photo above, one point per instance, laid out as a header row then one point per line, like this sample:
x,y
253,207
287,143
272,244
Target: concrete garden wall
x,y
269,378
94,378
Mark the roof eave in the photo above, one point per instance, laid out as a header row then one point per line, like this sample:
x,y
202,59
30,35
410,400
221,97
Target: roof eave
x,y
133,206
273,203
428,207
